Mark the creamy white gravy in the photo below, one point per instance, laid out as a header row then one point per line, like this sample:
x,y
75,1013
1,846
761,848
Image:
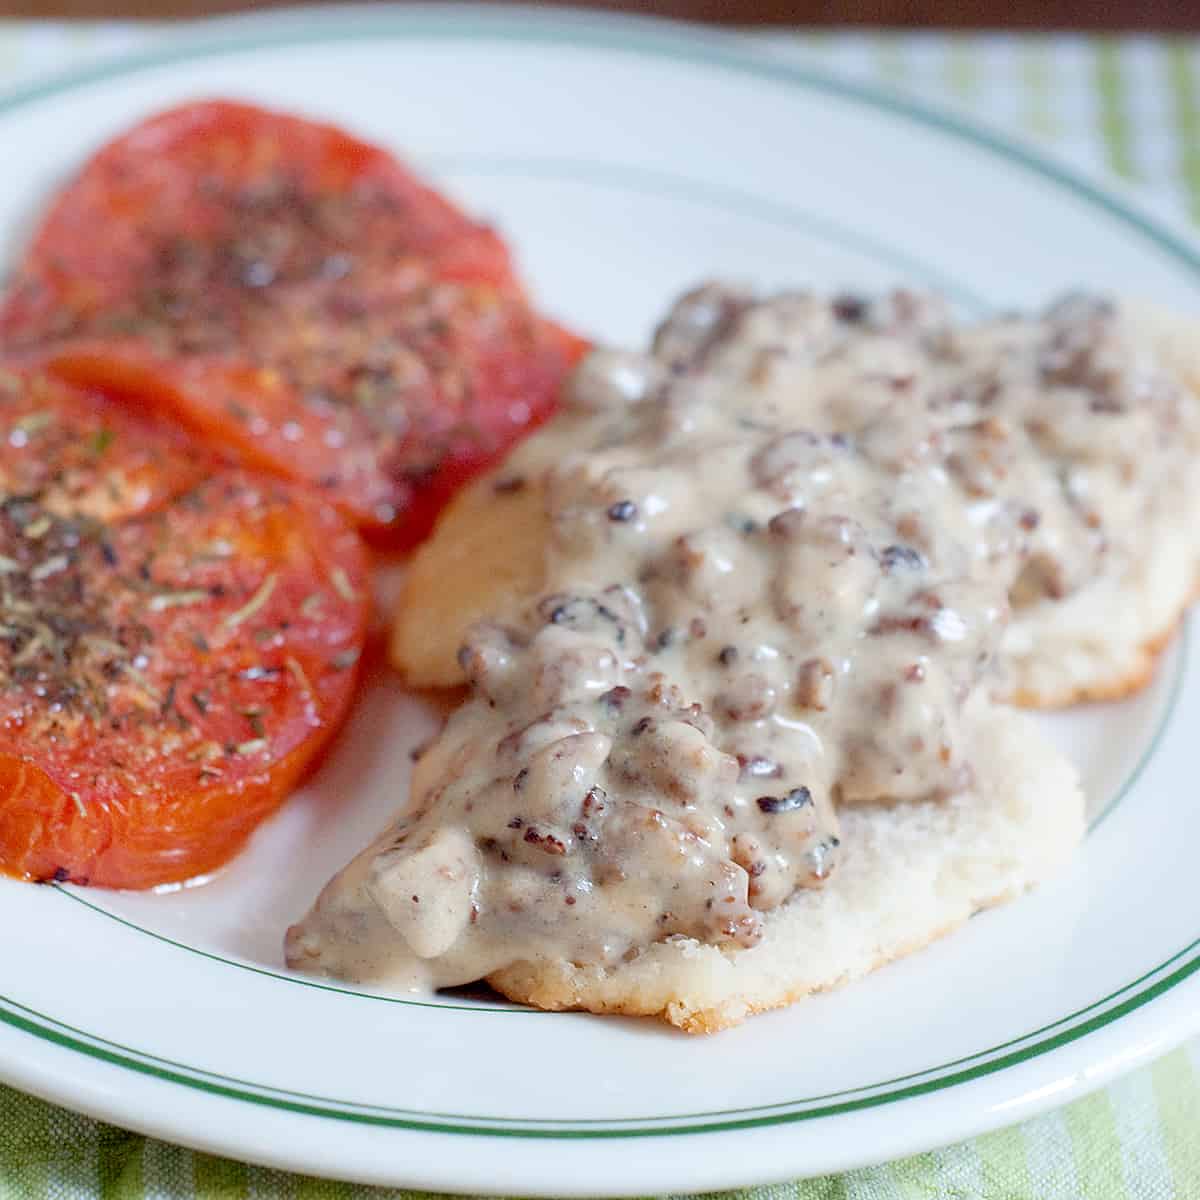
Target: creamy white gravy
x,y
784,546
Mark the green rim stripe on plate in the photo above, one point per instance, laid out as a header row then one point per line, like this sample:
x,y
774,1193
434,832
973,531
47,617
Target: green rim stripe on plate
x,y
693,49
122,1056
206,1079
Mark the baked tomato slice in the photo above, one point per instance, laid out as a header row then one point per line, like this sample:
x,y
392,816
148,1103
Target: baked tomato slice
x,y
80,454
167,669
297,296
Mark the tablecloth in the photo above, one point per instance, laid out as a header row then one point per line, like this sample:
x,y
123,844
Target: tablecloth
x,y
1127,105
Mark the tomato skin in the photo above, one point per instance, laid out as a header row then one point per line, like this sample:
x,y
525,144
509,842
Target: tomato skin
x,y
43,838
168,668
154,176
84,454
296,297
392,496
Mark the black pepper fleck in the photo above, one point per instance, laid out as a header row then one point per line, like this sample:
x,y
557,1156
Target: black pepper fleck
x,y
797,798
902,556
849,308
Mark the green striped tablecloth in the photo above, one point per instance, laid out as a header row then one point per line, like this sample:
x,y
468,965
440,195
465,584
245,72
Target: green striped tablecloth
x,y
1129,105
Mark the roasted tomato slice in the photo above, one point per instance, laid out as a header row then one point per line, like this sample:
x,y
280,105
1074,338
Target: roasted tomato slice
x,y
294,294
167,671
82,455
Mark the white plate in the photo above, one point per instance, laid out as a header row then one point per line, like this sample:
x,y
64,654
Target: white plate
x,y
625,160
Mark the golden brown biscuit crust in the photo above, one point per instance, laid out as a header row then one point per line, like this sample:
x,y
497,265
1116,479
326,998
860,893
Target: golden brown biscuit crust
x,y
560,988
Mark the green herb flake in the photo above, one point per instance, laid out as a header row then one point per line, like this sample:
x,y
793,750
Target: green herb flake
x,y
342,585
166,600
256,602
34,422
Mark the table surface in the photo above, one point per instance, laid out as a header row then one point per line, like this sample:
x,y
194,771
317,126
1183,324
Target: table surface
x,y
1147,15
